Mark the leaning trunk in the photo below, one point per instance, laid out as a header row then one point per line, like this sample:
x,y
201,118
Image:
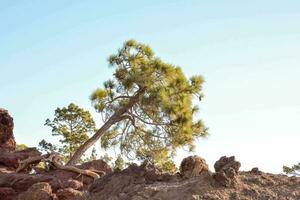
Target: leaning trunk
x,y
116,117
85,146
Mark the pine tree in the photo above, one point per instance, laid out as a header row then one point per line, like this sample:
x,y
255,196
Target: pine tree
x,y
146,106
73,125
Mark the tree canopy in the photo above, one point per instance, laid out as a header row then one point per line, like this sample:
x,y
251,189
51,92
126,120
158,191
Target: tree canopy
x,y
146,107
74,125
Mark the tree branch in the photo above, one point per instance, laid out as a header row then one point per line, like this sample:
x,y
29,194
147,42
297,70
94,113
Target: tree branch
x,y
146,122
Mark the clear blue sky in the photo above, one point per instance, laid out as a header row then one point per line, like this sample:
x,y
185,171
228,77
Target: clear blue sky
x,y
54,52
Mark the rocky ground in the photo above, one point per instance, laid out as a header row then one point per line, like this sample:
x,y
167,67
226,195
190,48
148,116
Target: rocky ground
x,y
193,182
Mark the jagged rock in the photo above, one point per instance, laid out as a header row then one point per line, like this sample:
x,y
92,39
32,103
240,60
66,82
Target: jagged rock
x,y
7,193
11,159
38,191
7,140
69,194
192,166
225,163
226,169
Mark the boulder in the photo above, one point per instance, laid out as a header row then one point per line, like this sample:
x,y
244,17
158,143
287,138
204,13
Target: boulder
x,y
21,182
74,184
192,166
11,159
7,140
38,191
226,171
99,165
69,194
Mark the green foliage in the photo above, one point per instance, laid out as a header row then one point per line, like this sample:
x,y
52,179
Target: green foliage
x,y
119,163
295,169
160,157
73,125
20,147
148,104
47,146
169,166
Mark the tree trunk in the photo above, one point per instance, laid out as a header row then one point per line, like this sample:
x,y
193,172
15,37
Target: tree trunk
x,y
116,117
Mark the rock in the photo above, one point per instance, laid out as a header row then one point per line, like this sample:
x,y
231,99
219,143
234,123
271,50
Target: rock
x,y
192,166
132,184
226,170
38,191
5,170
225,163
96,165
119,184
11,159
64,176
7,140
7,193
255,170
21,182
74,184
150,173
69,194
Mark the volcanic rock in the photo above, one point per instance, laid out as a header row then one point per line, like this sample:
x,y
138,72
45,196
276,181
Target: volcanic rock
x,y
22,182
7,193
69,194
227,169
7,140
11,159
74,184
96,165
192,166
38,191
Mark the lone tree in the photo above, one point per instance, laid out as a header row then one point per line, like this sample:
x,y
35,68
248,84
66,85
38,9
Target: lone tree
x,y
74,125
146,106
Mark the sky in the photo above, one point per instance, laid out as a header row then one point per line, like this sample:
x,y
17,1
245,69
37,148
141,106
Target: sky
x,y
55,52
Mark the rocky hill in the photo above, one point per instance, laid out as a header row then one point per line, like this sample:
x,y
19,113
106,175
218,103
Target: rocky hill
x,y
194,181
